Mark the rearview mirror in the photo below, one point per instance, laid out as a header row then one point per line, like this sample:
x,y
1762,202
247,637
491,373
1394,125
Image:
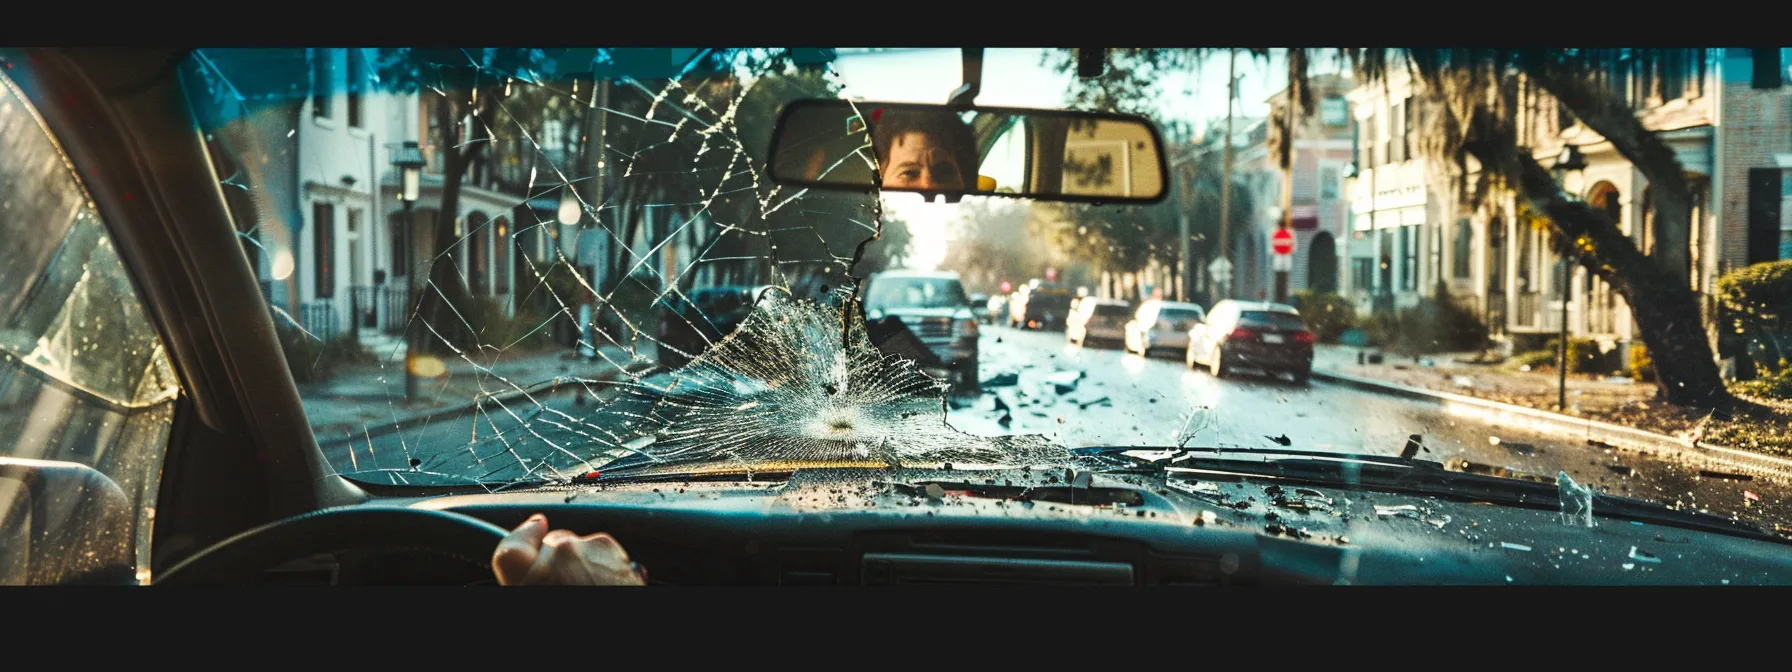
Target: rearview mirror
x,y
1051,155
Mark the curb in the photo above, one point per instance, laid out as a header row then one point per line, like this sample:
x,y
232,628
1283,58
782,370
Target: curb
x,y
1617,435
423,416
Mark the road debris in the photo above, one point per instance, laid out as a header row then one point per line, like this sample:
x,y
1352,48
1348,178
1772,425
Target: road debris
x,y
1707,473
1414,444
1577,500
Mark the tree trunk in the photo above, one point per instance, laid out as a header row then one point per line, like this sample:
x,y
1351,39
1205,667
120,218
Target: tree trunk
x,y
448,307
1615,121
1666,310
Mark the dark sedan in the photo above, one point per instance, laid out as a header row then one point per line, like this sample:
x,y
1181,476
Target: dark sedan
x,y
700,318
1269,337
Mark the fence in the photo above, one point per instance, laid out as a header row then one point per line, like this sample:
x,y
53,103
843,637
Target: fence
x,y
319,318
394,308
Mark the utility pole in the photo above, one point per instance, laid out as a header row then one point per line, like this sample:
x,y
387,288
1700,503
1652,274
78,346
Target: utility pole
x,y
1226,179
1562,373
1285,262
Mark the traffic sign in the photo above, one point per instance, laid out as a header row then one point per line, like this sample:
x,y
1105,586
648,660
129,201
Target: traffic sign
x,y
1282,242
1221,270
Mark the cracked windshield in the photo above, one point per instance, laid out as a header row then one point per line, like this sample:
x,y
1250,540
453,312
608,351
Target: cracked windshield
x,y
508,268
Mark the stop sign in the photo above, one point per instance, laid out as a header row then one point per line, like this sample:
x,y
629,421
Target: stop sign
x,y
1282,242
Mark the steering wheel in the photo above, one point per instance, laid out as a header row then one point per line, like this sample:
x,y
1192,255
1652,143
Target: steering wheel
x,y
241,559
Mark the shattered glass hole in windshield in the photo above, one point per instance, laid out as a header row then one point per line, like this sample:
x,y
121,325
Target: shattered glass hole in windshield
x,y
538,288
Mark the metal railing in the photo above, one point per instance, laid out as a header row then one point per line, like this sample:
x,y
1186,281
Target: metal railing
x,y
364,305
394,308
319,318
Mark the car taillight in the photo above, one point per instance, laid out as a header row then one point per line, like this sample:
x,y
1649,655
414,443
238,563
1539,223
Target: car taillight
x,y
1242,334
1304,337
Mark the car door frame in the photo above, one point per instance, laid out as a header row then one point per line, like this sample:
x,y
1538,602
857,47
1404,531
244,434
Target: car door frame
x,y
241,452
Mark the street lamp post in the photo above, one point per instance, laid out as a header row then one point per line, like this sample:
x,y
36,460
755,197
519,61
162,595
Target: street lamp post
x,y
409,163
1570,160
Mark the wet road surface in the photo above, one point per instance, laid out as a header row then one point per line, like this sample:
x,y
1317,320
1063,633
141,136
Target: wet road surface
x,y
1083,396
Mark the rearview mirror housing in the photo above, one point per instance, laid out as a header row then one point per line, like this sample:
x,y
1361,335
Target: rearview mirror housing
x,y
1040,154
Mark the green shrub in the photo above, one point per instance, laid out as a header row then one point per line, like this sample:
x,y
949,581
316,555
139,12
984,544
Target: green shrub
x,y
1583,356
312,359
516,334
1772,386
1536,359
1443,324
1761,291
1327,314
1642,368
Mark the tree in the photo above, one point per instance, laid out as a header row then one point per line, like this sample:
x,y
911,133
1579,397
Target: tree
x,y
1481,95
462,90
995,243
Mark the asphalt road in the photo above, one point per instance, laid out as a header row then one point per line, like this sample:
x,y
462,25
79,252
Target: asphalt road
x,y
1093,395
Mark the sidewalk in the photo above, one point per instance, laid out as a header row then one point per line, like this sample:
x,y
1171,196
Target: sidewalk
x,y
373,396
1608,399
1590,396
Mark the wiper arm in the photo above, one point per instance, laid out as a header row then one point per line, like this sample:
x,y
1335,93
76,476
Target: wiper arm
x,y
1396,474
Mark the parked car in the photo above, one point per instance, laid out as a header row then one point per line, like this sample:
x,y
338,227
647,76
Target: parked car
x,y
1103,320
1162,326
980,308
1042,306
1270,337
934,307
699,318
994,308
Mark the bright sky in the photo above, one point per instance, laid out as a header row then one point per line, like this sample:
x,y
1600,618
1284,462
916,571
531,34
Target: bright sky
x,y
1021,78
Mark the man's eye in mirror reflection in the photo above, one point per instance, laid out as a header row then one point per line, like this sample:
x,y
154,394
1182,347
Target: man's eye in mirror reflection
x,y
923,151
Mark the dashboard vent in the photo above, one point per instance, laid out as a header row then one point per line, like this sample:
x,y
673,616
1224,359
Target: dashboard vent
x,y
892,569
809,567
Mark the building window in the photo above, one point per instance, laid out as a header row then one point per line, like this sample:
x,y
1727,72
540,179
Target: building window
x,y
1768,68
1764,193
1328,184
1365,142
1673,73
1382,122
1396,132
401,240
1334,111
1406,129
357,78
1618,79
1409,258
506,244
479,232
320,83
1363,273
1465,241
323,238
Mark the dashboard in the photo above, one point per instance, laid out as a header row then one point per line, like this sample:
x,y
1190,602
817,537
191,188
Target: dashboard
x,y
1059,527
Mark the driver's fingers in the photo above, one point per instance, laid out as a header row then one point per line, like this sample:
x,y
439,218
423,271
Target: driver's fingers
x,y
517,553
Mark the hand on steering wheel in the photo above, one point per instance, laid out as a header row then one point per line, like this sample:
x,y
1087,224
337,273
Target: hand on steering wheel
x,y
532,555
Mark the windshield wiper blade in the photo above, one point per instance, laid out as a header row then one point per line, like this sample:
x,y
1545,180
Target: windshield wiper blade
x,y
1402,475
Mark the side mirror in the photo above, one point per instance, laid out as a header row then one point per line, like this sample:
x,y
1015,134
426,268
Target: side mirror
x,y
935,150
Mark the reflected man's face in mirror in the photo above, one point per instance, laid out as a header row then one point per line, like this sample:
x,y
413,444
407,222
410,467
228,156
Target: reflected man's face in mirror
x,y
918,162
924,151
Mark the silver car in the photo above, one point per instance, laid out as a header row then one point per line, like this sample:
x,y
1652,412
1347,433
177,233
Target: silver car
x,y
1162,326
1097,319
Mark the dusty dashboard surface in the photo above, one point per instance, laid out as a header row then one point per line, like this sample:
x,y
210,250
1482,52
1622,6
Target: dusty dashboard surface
x,y
1060,526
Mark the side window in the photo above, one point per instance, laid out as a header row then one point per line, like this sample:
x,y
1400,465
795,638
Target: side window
x,y
86,391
